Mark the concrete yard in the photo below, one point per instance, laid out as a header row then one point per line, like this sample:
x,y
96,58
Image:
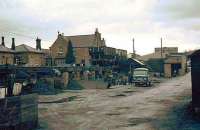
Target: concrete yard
x,y
161,107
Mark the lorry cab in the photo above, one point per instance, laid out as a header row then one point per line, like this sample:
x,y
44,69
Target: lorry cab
x,y
141,77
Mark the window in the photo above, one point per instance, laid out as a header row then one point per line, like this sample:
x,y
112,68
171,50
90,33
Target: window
x,y
60,51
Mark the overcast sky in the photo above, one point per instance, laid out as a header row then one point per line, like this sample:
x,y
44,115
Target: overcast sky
x,y
177,21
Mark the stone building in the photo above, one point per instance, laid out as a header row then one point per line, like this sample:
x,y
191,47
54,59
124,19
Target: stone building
x,y
6,54
28,56
168,62
157,54
47,57
81,45
167,50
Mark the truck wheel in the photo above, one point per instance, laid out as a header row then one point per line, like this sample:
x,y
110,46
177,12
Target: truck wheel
x,y
149,84
108,86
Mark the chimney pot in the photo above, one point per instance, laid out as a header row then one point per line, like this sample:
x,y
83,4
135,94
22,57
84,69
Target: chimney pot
x,y
38,44
2,42
13,44
97,30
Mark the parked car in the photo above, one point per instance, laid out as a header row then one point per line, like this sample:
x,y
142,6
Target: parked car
x,y
141,77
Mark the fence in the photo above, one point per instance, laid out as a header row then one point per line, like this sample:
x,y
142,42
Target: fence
x,y
19,112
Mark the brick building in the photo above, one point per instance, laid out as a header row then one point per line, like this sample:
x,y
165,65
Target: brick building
x,y
81,45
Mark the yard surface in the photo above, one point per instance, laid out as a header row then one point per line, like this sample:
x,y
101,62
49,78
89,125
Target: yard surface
x,y
161,107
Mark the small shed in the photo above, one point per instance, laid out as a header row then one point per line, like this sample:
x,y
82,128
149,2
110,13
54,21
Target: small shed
x,y
195,73
130,64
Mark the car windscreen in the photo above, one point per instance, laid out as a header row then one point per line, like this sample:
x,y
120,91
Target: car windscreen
x,y
140,72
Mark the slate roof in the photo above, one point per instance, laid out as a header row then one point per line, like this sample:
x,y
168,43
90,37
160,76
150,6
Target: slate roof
x,y
5,49
26,48
82,40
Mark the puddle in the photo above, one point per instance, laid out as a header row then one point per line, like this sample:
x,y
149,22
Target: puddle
x,y
137,121
113,114
129,91
119,95
123,108
63,100
134,122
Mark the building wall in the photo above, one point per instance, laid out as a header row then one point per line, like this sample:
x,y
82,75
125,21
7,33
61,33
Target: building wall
x,y
109,51
59,48
181,59
167,70
167,50
59,61
82,54
121,53
31,59
36,59
6,58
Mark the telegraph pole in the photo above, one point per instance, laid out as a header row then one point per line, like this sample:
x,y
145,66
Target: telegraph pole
x,y
161,41
134,52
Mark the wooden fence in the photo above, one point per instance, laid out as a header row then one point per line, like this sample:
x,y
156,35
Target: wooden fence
x,y
19,112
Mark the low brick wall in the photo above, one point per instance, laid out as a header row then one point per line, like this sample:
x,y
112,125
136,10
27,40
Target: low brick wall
x,y
19,112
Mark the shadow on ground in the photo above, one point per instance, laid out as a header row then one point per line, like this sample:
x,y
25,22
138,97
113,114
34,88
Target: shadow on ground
x,y
179,117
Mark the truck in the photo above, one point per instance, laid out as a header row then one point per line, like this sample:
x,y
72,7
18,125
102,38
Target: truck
x,y
141,76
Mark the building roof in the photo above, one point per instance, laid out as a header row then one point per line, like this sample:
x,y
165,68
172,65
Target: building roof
x,y
136,61
195,53
47,53
82,40
26,48
5,49
141,69
156,55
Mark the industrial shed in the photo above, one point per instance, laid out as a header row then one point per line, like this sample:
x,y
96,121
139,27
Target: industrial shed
x,y
195,73
130,64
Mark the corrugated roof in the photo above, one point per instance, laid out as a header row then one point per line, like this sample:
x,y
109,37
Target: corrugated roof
x,y
137,61
82,40
5,49
26,48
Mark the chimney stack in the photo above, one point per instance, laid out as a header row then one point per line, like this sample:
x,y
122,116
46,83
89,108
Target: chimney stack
x,y
2,41
13,44
97,30
134,53
38,44
161,48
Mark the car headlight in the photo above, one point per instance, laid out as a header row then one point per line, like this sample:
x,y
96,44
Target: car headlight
x,y
145,78
25,83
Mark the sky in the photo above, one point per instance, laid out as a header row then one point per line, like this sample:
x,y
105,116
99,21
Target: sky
x,y
119,21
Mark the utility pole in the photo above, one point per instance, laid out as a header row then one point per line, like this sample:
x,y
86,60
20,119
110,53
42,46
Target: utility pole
x,y
134,52
161,41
